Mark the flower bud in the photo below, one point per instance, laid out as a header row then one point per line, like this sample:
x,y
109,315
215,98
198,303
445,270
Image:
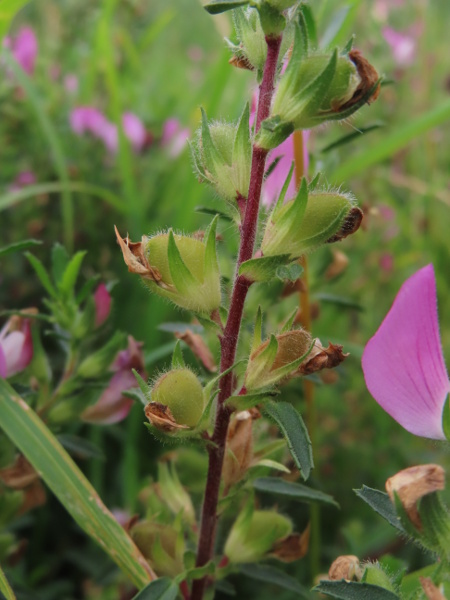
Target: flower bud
x,y
173,494
180,268
277,358
223,155
239,448
162,545
255,534
307,222
251,51
316,88
16,345
375,575
177,401
345,567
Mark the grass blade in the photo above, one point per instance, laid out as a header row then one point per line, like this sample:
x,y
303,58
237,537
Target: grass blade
x,y
8,11
5,588
69,485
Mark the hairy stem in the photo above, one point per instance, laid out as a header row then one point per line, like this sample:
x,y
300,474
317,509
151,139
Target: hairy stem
x,y
230,336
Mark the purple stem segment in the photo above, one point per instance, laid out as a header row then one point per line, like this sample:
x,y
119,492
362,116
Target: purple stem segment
x,y
230,336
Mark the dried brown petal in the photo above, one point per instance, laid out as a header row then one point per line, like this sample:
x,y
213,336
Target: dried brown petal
x,y
292,548
241,62
412,484
239,448
351,225
198,346
345,567
322,358
135,259
431,591
19,475
368,76
293,287
338,265
161,417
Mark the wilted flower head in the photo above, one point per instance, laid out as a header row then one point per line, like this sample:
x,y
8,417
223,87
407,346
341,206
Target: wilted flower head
x,y
24,48
403,363
112,406
16,346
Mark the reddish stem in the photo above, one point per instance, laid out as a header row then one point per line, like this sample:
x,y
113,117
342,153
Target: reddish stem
x,y
230,337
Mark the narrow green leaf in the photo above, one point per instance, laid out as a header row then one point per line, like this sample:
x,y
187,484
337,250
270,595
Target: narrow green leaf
x,y
269,574
70,275
295,491
247,401
289,321
143,386
283,192
5,588
209,150
391,143
206,210
9,8
354,590
80,447
242,147
310,24
160,589
19,246
60,260
264,268
340,301
41,272
294,430
293,217
211,264
69,485
350,137
381,503
182,278
200,572
150,358
177,357
87,288
317,89
214,7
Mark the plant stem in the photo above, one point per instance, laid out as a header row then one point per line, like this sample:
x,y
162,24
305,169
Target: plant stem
x,y
230,336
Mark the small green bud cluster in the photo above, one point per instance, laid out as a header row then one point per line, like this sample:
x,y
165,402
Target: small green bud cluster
x,y
162,545
178,267
251,51
309,220
222,156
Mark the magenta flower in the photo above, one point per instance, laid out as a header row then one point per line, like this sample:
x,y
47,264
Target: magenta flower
x,y
16,346
403,364
403,45
24,48
174,137
134,130
102,301
23,179
112,406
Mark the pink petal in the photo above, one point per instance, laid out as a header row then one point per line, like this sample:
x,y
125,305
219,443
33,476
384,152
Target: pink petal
x,y
174,137
403,46
25,48
102,301
403,364
112,407
18,350
134,130
3,369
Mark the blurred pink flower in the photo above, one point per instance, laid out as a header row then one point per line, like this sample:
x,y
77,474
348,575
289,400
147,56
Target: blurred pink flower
x,y
102,301
403,364
112,406
16,346
87,119
24,48
382,8
134,130
403,45
386,262
71,83
23,179
174,137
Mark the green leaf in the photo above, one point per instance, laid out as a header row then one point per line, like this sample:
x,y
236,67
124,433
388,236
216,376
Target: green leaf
x,y
264,268
211,264
290,272
5,588
9,8
268,574
391,143
381,503
257,333
214,7
160,589
177,357
69,485
294,431
210,153
19,246
282,196
247,401
242,148
182,278
353,590
69,278
310,24
317,89
340,301
355,135
60,260
200,572
446,419
295,491
80,447
41,272
213,211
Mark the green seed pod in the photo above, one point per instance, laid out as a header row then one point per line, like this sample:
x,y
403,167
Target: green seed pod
x,y
181,392
162,545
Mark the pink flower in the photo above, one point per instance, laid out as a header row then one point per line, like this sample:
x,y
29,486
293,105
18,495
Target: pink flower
x,y
16,346
71,83
134,130
403,45
174,137
102,301
23,179
403,364
386,262
112,406
24,48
